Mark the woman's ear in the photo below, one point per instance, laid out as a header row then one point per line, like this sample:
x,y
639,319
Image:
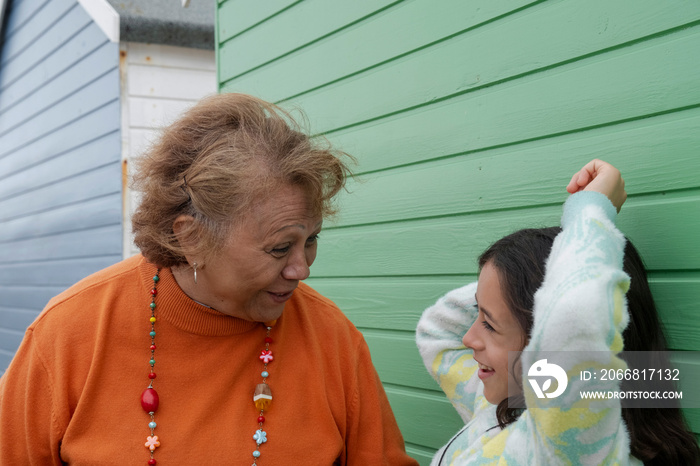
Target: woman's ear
x,y
184,229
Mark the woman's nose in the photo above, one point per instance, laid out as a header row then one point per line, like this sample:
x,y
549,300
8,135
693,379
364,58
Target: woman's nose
x,y
298,267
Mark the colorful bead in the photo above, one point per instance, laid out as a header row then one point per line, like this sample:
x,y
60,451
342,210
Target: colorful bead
x,y
153,347
149,400
268,340
264,374
152,425
152,333
152,319
261,419
262,396
152,461
260,436
156,278
152,375
154,292
256,454
152,442
266,356
153,305
152,362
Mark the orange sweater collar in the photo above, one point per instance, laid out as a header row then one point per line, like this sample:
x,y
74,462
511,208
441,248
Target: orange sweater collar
x,y
180,310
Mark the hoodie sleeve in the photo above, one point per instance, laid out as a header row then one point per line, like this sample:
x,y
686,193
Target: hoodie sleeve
x,y
439,339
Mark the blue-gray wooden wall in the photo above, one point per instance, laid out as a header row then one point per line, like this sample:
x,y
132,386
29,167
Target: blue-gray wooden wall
x,y
60,158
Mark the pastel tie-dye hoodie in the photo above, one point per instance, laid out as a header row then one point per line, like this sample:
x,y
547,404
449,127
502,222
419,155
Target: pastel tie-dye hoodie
x,y
580,308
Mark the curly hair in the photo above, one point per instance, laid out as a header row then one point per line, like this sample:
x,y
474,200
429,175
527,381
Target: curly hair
x,y
225,153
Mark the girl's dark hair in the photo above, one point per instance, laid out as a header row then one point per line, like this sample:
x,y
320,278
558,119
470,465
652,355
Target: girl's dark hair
x,y
657,435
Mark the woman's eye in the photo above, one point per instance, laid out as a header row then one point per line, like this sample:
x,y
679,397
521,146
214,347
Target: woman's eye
x,y
487,326
311,240
280,251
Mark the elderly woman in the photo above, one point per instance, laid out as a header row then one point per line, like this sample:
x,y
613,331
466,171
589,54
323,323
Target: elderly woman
x,y
207,348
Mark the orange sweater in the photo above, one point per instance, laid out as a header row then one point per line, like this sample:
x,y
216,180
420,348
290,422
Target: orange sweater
x,y
72,393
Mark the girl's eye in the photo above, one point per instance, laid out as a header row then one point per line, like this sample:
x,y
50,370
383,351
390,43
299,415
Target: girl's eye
x,y
487,326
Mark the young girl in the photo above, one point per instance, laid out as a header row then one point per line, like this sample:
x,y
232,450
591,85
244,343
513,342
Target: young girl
x,y
578,306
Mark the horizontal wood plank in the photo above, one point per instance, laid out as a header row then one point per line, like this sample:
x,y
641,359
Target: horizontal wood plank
x,y
148,113
88,157
187,84
299,26
77,48
534,39
93,96
421,454
42,20
22,12
425,418
386,302
237,16
693,418
46,44
33,298
91,213
688,365
102,181
450,245
398,362
5,359
169,56
379,39
102,121
396,358
83,243
53,92
529,174
140,139
10,339
641,80
57,273
677,301
647,226
17,319
396,303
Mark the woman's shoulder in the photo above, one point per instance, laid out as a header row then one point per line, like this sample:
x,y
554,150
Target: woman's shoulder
x,y
313,297
316,310
111,280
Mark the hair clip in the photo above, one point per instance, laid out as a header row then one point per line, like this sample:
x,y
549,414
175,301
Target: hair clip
x,y
184,188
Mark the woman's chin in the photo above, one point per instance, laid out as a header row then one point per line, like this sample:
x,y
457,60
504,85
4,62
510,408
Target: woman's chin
x,y
268,314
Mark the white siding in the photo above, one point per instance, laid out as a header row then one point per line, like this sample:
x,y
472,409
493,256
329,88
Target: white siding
x,y
158,83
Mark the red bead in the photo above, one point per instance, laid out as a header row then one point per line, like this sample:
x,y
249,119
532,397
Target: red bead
x,y
153,347
152,375
149,400
268,340
152,461
154,292
261,419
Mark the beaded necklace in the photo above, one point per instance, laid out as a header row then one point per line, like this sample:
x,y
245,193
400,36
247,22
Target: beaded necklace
x,y
262,396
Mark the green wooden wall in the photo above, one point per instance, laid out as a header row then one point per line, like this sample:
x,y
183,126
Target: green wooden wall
x,y
468,119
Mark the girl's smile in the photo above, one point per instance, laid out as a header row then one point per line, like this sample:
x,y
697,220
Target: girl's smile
x,y
485,371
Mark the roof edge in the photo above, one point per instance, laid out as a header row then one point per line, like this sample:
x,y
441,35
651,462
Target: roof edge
x,y
104,15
